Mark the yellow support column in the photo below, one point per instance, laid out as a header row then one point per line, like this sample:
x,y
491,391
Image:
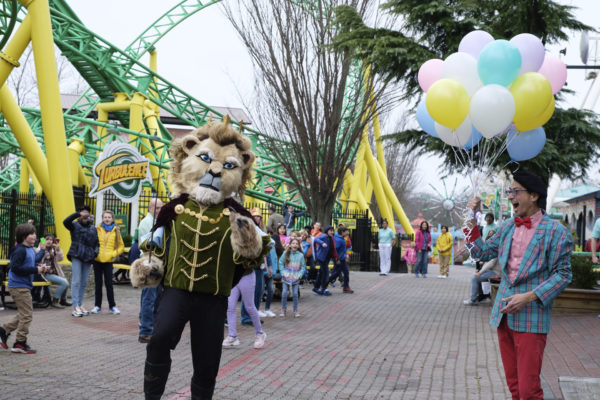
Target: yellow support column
x,y
27,142
14,49
396,206
76,148
375,177
62,200
24,177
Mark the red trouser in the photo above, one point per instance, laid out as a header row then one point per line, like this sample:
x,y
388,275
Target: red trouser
x,y
522,354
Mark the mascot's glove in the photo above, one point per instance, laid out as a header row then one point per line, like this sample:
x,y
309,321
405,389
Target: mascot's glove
x,y
146,272
249,243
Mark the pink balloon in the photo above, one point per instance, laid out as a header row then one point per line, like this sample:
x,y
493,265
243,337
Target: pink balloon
x,y
429,73
555,71
473,42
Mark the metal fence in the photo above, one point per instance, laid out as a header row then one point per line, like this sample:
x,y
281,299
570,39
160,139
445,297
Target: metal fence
x,y
17,208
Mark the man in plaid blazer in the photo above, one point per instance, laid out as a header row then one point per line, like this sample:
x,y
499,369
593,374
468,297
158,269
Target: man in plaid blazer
x,y
534,252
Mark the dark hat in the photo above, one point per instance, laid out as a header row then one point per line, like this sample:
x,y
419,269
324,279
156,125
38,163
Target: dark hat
x,y
531,182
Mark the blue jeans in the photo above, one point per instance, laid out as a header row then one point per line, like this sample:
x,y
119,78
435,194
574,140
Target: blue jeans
x,y
269,286
284,294
258,292
476,283
79,279
148,306
421,265
323,277
341,268
62,283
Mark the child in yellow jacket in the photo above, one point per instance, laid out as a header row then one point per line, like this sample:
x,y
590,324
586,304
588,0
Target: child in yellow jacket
x,y
111,245
444,246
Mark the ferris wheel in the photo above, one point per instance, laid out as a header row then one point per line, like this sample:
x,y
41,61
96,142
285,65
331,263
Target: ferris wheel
x,y
445,202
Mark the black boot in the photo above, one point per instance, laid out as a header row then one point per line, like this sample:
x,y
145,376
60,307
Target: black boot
x,y
201,392
155,379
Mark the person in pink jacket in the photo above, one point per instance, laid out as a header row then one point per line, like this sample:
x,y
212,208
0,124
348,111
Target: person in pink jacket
x,y
410,256
422,246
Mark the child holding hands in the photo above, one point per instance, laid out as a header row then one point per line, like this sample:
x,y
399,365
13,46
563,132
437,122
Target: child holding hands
x,y
292,266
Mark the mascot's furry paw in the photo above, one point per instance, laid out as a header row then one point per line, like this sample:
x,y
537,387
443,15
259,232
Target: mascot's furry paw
x,y
245,238
146,272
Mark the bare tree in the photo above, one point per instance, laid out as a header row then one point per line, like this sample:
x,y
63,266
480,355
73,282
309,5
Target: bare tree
x,y
312,103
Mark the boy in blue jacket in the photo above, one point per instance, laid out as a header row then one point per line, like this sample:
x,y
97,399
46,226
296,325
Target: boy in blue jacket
x,y
341,266
23,265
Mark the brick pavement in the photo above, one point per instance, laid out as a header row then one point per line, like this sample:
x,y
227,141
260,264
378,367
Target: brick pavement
x,y
397,337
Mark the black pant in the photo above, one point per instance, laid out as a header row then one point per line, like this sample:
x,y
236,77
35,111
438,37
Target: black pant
x,y
104,270
206,314
323,277
340,270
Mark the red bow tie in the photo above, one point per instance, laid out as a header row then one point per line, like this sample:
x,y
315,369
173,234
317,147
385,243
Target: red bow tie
x,y
524,221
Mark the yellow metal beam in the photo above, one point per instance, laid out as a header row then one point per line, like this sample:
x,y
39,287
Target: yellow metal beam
x,y
14,49
26,139
62,200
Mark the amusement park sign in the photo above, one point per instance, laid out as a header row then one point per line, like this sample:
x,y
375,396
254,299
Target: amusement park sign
x,y
121,169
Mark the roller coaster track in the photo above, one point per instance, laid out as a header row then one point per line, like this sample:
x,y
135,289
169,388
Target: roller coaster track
x,y
108,70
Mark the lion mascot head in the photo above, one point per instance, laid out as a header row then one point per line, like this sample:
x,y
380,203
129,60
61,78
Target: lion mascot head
x,y
212,163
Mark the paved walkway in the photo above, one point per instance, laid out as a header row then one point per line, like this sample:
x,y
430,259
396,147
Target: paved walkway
x,y
396,337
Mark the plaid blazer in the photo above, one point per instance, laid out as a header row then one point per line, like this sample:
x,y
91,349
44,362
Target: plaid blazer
x,y
545,269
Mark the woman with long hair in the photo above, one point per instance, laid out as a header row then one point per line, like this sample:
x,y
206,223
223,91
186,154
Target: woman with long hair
x,y
422,246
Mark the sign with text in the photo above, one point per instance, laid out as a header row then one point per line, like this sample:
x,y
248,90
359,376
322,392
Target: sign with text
x,y
122,170
349,223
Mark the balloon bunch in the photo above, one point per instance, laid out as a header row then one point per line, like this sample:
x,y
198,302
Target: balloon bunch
x,y
490,88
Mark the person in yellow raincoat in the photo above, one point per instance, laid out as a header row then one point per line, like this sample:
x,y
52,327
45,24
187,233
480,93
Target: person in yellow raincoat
x,y
111,245
444,246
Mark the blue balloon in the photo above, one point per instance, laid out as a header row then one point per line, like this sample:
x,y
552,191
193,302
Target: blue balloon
x,y
424,119
475,138
526,145
499,62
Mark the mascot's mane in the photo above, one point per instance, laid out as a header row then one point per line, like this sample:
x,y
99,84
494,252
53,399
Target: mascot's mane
x,y
223,134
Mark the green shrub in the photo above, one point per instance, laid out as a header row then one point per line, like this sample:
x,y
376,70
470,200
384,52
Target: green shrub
x,y
583,275
127,240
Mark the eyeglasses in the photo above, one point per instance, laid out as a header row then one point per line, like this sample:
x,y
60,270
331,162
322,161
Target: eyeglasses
x,y
514,192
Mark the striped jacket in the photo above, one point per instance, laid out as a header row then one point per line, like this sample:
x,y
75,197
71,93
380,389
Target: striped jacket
x,y
545,269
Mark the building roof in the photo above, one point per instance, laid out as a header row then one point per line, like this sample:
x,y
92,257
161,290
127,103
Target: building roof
x,y
576,192
237,114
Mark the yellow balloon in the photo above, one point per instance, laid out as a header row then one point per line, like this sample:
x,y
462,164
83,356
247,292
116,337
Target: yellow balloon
x,y
447,102
532,93
539,120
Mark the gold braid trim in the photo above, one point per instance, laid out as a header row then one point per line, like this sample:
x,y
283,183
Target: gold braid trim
x,y
204,217
196,231
189,246
195,279
195,265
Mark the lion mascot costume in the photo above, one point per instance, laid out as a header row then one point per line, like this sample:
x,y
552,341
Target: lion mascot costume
x,y
202,243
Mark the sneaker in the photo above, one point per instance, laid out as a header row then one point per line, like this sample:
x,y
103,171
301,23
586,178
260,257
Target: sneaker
x,y
83,311
270,314
348,290
76,312
114,310
22,347
444,276
231,341
318,291
440,277
416,276
468,302
259,342
282,314
56,303
96,310
424,276
144,339
3,338
326,292
296,314
262,314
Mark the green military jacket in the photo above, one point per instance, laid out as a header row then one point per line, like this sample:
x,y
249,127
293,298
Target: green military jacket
x,y
200,257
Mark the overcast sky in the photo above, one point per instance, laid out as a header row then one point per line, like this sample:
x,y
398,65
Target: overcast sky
x,y
204,57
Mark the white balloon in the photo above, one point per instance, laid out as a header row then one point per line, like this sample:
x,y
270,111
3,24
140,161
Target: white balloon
x,y
457,138
463,68
492,110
